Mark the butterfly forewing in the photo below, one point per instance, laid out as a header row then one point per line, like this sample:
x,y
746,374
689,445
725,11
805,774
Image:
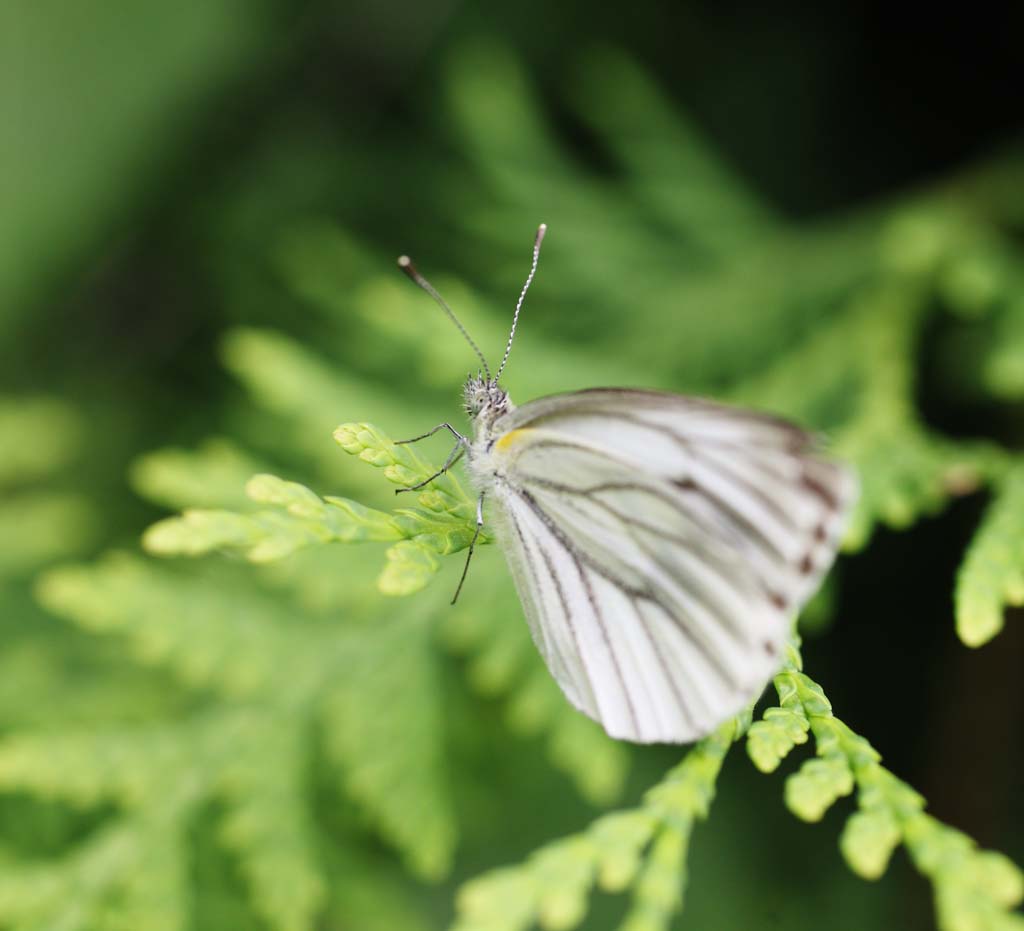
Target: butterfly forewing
x,y
661,546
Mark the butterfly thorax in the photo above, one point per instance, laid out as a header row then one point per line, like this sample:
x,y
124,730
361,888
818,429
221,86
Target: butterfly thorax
x,y
486,404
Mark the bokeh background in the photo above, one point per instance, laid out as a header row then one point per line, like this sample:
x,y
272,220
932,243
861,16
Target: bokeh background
x,y
201,206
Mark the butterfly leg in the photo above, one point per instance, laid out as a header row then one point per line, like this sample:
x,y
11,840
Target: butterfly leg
x,y
454,456
472,543
441,426
460,447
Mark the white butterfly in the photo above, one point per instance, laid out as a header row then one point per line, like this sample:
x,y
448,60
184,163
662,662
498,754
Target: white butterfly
x,y
661,545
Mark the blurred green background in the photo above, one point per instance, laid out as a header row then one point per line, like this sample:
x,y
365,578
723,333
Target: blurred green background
x,y
816,210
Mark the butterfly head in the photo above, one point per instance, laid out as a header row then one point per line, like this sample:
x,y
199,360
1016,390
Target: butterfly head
x,y
484,398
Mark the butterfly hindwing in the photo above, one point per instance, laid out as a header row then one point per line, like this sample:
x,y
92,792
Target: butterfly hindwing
x,y
661,546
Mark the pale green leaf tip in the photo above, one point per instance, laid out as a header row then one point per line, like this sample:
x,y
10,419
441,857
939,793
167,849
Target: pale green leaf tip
x,y
171,536
267,489
299,500
561,911
363,440
1002,879
409,567
977,627
868,841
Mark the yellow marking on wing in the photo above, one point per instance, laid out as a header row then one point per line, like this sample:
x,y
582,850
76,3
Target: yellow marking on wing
x,y
511,437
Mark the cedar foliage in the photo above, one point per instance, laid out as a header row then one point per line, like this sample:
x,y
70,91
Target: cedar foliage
x,y
287,707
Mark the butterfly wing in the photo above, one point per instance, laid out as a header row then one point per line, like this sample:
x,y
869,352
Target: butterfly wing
x,y
661,546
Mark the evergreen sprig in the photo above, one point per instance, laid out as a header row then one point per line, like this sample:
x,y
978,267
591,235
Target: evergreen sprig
x,y
436,528
643,849
972,888
40,437
250,750
992,573
646,848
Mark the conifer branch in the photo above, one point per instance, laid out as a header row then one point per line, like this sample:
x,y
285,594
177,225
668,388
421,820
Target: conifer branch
x,y
643,849
972,888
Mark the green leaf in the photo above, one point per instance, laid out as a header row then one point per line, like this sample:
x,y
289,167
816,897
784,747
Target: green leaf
x,y
383,728
39,527
267,821
38,436
770,739
973,889
644,847
442,523
212,476
372,691
410,566
868,840
813,789
992,572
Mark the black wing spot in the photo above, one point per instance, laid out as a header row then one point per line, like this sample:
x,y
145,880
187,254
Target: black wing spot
x,y
686,484
778,600
819,488
806,564
769,648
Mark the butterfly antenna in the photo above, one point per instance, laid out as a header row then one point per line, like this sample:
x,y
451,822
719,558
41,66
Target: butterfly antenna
x,y
405,263
541,230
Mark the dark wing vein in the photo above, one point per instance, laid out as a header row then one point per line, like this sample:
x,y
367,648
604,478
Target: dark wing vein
x,y
688,623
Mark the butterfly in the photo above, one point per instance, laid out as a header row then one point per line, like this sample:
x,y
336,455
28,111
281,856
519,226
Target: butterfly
x,y
660,545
